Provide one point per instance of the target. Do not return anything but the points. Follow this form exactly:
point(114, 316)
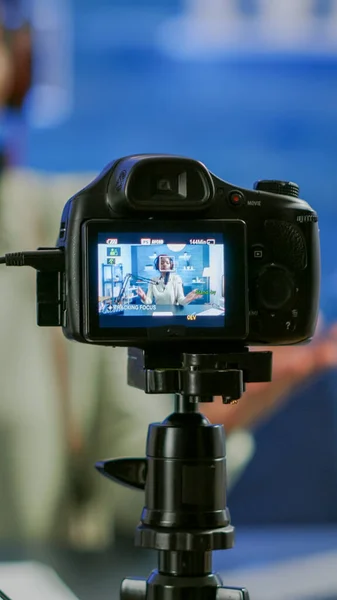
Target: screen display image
point(172, 278)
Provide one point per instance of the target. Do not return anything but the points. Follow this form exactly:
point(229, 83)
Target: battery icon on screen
point(210, 241)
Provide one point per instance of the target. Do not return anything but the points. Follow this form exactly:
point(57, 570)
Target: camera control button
point(284, 188)
point(290, 325)
point(175, 331)
point(236, 198)
point(275, 287)
point(160, 333)
point(258, 252)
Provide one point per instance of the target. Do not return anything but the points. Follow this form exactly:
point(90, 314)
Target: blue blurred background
point(133, 78)
point(249, 87)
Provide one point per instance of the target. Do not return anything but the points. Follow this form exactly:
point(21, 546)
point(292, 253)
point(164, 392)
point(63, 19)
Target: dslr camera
point(158, 249)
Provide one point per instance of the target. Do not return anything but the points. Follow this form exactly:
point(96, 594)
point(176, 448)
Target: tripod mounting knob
point(185, 541)
point(130, 472)
point(161, 586)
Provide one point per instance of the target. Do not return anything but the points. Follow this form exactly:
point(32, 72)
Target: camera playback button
point(257, 252)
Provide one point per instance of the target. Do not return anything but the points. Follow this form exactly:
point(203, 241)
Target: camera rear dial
point(275, 287)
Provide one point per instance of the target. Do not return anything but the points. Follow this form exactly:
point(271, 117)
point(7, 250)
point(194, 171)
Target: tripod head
point(185, 516)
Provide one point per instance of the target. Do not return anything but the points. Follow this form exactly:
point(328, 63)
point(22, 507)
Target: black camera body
point(237, 265)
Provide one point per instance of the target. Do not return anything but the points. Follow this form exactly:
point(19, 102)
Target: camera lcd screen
point(151, 280)
point(148, 280)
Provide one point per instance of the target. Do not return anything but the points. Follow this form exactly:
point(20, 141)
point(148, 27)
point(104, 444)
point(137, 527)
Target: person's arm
point(179, 292)
point(148, 297)
point(291, 366)
point(257, 402)
point(6, 70)
point(180, 296)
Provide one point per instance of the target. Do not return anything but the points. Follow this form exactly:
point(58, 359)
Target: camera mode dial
point(285, 188)
point(275, 287)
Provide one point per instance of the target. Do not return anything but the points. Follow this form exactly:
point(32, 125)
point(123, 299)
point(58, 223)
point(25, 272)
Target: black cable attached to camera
point(44, 259)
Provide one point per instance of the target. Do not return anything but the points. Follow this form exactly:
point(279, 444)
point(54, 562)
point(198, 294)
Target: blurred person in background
point(64, 406)
point(15, 69)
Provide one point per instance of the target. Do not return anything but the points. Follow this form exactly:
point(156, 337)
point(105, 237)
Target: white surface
point(162, 314)
point(311, 578)
point(211, 312)
point(32, 581)
point(213, 28)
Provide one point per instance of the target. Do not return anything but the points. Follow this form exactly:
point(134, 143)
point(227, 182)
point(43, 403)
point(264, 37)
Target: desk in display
point(148, 310)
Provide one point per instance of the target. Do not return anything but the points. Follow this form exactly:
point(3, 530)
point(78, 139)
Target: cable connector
point(44, 259)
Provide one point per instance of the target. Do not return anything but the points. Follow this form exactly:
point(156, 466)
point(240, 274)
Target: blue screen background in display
point(199, 265)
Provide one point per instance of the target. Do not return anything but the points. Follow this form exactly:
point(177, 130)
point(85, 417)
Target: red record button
point(236, 198)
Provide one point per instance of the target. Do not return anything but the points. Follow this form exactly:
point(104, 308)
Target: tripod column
point(185, 404)
point(186, 474)
point(185, 516)
point(185, 563)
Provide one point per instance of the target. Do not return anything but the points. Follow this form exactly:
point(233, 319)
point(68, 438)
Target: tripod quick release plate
point(198, 375)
